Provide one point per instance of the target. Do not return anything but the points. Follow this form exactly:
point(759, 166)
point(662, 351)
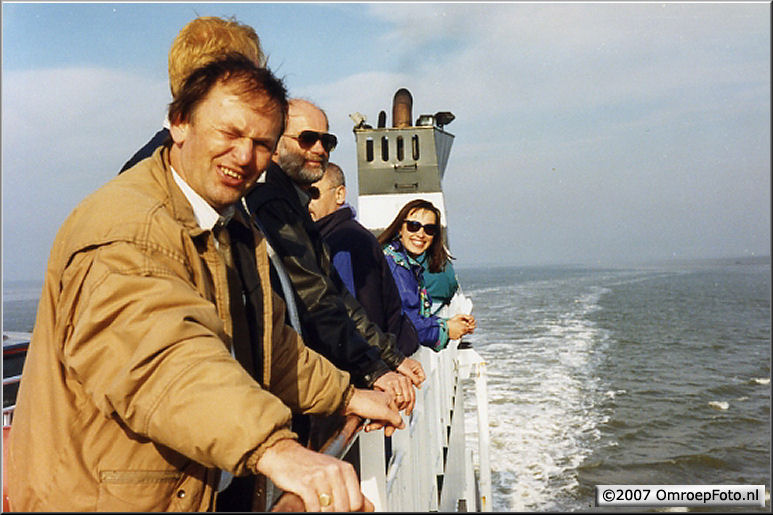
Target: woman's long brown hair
point(438, 256)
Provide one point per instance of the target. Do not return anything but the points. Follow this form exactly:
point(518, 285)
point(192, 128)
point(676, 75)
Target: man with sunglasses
point(330, 318)
point(358, 258)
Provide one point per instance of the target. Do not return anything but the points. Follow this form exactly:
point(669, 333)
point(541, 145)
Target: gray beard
point(293, 165)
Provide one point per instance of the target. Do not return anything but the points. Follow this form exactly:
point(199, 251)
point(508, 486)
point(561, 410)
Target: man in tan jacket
point(131, 398)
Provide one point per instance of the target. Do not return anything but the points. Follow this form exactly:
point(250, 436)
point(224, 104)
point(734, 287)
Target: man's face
point(330, 197)
point(226, 145)
point(303, 164)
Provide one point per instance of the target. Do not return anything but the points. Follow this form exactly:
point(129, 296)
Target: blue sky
point(596, 133)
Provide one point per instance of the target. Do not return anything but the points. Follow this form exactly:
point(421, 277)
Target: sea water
point(651, 375)
point(20, 304)
point(655, 375)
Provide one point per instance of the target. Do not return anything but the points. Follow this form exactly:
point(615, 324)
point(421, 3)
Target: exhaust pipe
point(402, 104)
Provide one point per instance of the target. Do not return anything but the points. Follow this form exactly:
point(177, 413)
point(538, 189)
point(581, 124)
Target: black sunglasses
point(414, 226)
point(309, 138)
point(313, 192)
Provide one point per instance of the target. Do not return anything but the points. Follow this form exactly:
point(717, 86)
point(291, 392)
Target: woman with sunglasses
point(416, 234)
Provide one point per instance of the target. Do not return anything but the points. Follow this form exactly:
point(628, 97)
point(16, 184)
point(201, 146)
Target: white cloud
point(66, 132)
point(573, 55)
point(68, 112)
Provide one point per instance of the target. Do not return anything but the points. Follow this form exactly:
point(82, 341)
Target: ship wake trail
point(544, 392)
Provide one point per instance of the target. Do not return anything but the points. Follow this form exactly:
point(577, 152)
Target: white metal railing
point(470, 363)
point(8, 411)
point(8, 415)
point(431, 468)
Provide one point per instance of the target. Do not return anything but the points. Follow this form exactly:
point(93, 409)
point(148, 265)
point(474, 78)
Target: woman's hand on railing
point(400, 388)
point(413, 370)
point(377, 406)
point(323, 483)
point(459, 325)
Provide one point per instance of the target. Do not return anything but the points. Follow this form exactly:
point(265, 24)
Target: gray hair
point(337, 177)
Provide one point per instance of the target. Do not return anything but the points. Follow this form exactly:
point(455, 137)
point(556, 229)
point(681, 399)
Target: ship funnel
point(400, 162)
point(402, 104)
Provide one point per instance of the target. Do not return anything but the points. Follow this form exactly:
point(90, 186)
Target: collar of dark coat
point(328, 224)
point(277, 186)
point(275, 175)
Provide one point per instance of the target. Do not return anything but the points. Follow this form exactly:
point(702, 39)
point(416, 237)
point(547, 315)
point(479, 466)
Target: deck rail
point(8, 410)
point(430, 467)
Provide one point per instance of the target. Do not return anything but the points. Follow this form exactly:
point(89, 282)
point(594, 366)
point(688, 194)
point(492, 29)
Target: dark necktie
point(246, 296)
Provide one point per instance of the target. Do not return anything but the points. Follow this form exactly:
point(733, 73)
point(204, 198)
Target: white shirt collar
point(206, 216)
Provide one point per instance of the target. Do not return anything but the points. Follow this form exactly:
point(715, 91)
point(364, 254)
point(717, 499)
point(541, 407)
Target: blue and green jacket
point(416, 302)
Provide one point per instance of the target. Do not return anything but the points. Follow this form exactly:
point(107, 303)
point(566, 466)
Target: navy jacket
point(360, 262)
point(147, 150)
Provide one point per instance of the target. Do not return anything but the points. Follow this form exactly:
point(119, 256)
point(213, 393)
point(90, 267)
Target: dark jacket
point(146, 151)
point(416, 302)
point(360, 262)
point(332, 321)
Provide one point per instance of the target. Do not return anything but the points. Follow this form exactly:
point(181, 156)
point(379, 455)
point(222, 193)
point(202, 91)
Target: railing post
point(471, 362)
point(373, 469)
point(481, 396)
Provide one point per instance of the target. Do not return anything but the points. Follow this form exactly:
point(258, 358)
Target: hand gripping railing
point(430, 467)
point(333, 436)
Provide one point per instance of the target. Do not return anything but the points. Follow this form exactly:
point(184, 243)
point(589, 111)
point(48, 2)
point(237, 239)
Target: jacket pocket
point(137, 490)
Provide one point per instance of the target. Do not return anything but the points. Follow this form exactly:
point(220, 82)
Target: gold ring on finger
point(325, 500)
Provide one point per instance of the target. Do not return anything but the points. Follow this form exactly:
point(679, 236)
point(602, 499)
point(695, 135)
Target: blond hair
point(205, 39)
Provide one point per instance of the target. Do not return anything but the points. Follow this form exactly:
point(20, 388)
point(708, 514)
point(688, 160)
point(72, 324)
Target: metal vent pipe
point(402, 104)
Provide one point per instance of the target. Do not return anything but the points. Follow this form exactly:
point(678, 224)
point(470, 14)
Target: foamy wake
point(543, 398)
point(614, 393)
point(719, 405)
point(761, 380)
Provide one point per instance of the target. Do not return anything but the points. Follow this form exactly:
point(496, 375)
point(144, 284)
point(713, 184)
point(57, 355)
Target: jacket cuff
point(259, 451)
point(367, 379)
point(346, 399)
point(392, 356)
point(442, 340)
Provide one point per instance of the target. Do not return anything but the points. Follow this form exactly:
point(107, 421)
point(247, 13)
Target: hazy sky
point(594, 133)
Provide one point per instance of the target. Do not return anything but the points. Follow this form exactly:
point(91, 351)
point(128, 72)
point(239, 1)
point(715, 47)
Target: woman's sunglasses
point(414, 226)
point(309, 138)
